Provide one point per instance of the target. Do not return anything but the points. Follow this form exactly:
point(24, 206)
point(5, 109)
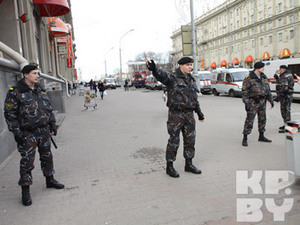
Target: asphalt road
point(112, 162)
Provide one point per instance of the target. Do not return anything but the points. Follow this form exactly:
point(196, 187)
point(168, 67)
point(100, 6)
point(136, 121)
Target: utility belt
point(258, 98)
point(176, 109)
point(34, 129)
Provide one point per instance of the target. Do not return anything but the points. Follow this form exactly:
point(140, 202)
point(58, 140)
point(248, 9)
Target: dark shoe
point(263, 138)
point(281, 128)
point(245, 141)
point(189, 167)
point(171, 171)
point(52, 183)
point(26, 199)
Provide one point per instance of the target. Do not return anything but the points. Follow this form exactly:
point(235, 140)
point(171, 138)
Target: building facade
point(35, 31)
point(245, 31)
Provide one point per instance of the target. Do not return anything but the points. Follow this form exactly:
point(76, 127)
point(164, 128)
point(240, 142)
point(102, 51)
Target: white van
point(203, 81)
point(228, 81)
point(293, 65)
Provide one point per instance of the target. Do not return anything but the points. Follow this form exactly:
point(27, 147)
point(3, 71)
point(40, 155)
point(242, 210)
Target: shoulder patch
point(44, 93)
point(247, 76)
point(8, 106)
point(11, 89)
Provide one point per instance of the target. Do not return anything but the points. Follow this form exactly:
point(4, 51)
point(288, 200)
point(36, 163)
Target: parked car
point(228, 81)
point(109, 83)
point(152, 83)
point(139, 80)
point(203, 81)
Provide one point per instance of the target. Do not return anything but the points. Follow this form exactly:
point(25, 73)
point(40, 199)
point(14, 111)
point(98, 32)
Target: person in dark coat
point(182, 102)
point(28, 114)
point(101, 89)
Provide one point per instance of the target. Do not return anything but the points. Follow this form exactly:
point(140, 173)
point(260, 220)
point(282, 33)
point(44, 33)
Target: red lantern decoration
point(223, 63)
point(213, 65)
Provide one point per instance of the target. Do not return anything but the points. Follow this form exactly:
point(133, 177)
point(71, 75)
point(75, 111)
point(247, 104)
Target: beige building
point(245, 28)
point(28, 35)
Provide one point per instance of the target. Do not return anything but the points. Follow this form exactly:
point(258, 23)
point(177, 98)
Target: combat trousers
point(285, 108)
point(259, 108)
point(37, 138)
point(185, 122)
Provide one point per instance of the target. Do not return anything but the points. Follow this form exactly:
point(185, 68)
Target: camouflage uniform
point(256, 91)
point(285, 87)
point(182, 101)
point(28, 113)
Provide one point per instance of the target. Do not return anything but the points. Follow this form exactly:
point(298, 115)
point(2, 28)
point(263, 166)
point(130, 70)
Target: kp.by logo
point(249, 209)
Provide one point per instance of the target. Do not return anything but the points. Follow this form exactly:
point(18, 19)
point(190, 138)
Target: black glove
point(247, 107)
point(276, 77)
point(200, 115)
point(20, 139)
point(53, 129)
point(272, 103)
point(276, 99)
point(151, 65)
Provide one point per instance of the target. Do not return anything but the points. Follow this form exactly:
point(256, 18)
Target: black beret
point(28, 68)
point(185, 60)
point(283, 67)
point(259, 65)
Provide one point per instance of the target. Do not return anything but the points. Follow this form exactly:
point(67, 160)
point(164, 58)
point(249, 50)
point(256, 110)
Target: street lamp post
point(121, 56)
point(105, 61)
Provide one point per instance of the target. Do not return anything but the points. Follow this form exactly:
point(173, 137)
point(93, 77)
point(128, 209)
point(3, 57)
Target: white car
point(203, 81)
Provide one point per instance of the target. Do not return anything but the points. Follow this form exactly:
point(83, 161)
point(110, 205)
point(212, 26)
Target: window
point(261, 41)
point(252, 30)
point(231, 26)
point(260, 15)
point(252, 5)
point(270, 25)
point(252, 18)
point(253, 43)
point(228, 78)
point(226, 50)
point(280, 7)
point(292, 34)
point(292, 3)
point(245, 33)
point(280, 22)
point(220, 76)
point(280, 37)
point(239, 47)
point(237, 12)
point(270, 39)
point(238, 24)
point(261, 28)
point(245, 8)
point(270, 11)
point(225, 17)
point(245, 21)
point(245, 45)
point(260, 2)
point(292, 18)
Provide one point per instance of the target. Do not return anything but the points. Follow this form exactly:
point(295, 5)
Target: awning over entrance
point(249, 59)
point(49, 8)
point(265, 56)
point(57, 27)
point(223, 63)
point(213, 65)
point(285, 53)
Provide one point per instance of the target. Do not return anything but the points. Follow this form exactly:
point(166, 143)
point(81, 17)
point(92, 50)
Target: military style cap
point(28, 68)
point(259, 65)
point(185, 60)
point(283, 67)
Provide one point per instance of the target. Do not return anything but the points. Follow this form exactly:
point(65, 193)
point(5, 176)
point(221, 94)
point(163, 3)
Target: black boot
point(26, 199)
point(263, 138)
point(52, 183)
point(171, 171)
point(189, 167)
point(245, 140)
point(281, 129)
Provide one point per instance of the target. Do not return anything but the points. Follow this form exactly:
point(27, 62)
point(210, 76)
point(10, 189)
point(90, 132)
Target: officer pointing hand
point(151, 65)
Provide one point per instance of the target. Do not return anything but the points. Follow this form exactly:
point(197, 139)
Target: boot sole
point(189, 171)
point(176, 176)
point(48, 186)
point(27, 203)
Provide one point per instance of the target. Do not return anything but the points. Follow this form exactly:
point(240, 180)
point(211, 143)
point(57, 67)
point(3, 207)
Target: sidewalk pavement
point(112, 162)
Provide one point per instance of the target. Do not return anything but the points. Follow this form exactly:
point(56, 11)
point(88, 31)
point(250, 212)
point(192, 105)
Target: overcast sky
point(99, 25)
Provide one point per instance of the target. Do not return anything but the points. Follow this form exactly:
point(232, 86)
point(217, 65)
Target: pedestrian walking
point(126, 86)
point(29, 117)
point(95, 87)
point(255, 93)
point(284, 90)
point(182, 101)
point(101, 89)
point(91, 84)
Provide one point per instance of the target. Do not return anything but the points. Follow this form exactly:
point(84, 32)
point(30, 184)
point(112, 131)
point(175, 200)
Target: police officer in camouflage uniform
point(29, 117)
point(284, 90)
point(255, 93)
point(182, 101)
